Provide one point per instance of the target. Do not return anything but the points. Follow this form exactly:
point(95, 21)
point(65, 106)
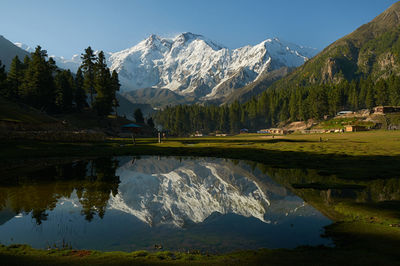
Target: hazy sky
point(66, 27)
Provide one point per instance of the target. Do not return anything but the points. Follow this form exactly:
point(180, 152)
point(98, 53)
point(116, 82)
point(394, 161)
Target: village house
point(354, 128)
point(278, 131)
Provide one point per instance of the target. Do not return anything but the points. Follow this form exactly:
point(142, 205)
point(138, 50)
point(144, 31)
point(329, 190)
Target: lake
point(133, 203)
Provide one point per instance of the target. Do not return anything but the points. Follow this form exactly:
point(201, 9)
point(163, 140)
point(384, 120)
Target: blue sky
point(67, 27)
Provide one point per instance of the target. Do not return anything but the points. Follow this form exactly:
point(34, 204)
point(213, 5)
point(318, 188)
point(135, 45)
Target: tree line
point(38, 82)
point(282, 105)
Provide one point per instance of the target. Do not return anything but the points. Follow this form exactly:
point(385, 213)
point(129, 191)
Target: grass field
point(365, 232)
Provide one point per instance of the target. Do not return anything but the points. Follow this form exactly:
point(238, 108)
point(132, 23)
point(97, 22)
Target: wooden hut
point(354, 128)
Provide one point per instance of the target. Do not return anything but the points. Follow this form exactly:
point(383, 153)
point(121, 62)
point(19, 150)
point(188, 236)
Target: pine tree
point(293, 108)
point(115, 87)
point(353, 95)
point(381, 92)
point(79, 95)
point(14, 78)
point(223, 124)
point(234, 117)
point(334, 100)
point(88, 68)
point(37, 88)
point(64, 83)
point(284, 112)
point(103, 87)
point(150, 122)
point(3, 80)
point(318, 102)
point(394, 90)
point(369, 97)
point(138, 115)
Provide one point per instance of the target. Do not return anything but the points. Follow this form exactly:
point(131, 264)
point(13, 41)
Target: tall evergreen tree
point(138, 115)
point(381, 93)
point(79, 95)
point(64, 83)
point(37, 88)
point(394, 90)
point(103, 87)
point(15, 78)
point(293, 108)
point(115, 85)
point(3, 81)
point(150, 122)
point(234, 117)
point(88, 68)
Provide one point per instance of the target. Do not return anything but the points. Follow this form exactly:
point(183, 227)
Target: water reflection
point(177, 193)
point(38, 192)
point(132, 203)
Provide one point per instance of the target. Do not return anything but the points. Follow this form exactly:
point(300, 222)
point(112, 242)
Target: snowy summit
point(191, 64)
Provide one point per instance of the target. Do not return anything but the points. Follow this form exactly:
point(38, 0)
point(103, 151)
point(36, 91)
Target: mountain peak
point(390, 17)
point(24, 47)
point(187, 37)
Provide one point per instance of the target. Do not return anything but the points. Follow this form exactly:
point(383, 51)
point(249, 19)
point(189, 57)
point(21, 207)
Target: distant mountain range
point(190, 68)
point(193, 66)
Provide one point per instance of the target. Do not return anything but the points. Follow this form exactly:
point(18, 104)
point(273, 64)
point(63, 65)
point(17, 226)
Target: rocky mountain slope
point(8, 51)
point(371, 50)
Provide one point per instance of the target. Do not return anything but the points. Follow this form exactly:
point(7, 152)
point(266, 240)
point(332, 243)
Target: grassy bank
point(374, 154)
point(23, 255)
point(365, 233)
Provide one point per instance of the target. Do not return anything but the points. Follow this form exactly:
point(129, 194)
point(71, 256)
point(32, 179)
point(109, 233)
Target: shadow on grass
point(239, 141)
point(390, 208)
point(344, 166)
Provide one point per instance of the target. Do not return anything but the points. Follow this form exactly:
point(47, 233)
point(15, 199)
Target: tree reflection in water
point(92, 180)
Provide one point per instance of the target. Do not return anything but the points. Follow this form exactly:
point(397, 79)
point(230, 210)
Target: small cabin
point(354, 128)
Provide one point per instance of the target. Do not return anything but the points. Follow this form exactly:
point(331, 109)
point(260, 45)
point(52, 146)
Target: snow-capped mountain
point(194, 66)
point(176, 192)
point(71, 64)
point(74, 63)
point(191, 64)
point(24, 47)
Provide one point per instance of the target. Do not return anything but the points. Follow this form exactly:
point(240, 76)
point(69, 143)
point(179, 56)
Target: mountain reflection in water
point(132, 203)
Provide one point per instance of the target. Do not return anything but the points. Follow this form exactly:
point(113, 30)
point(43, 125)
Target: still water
point(131, 203)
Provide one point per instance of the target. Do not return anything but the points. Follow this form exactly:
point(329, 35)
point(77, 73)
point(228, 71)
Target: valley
point(181, 150)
